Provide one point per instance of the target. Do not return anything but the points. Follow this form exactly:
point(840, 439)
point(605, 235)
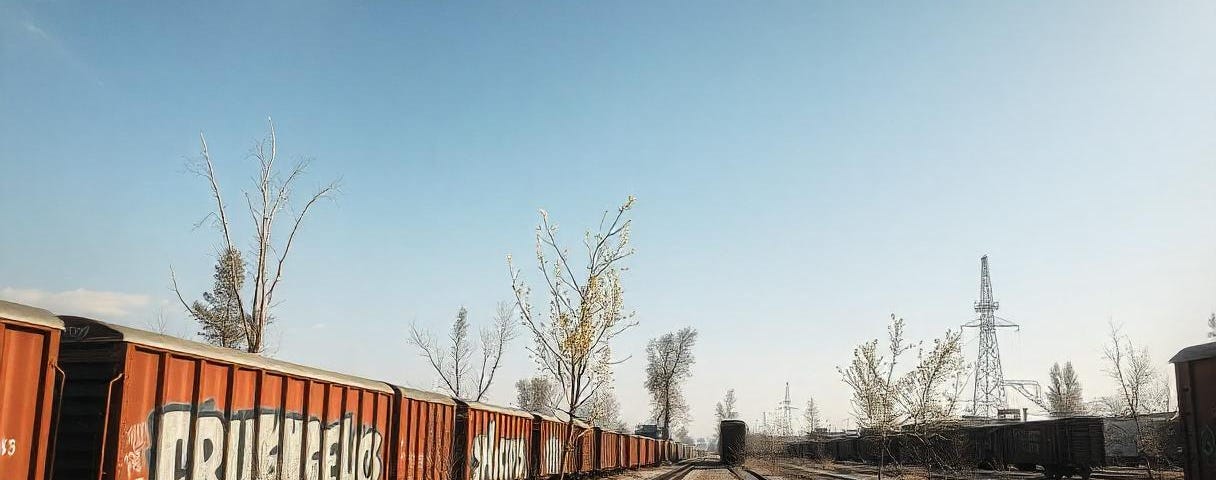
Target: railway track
point(709, 469)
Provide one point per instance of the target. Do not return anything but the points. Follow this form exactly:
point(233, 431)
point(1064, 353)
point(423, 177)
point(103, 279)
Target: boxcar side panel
point(189, 417)
point(497, 445)
point(424, 439)
point(27, 385)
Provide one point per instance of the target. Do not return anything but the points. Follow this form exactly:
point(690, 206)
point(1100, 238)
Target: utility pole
point(989, 393)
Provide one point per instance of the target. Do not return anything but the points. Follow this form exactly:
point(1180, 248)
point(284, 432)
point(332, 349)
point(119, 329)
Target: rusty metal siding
point(189, 417)
point(176, 415)
point(1195, 371)
point(496, 444)
point(585, 449)
point(609, 450)
point(423, 437)
point(29, 348)
point(552, 443)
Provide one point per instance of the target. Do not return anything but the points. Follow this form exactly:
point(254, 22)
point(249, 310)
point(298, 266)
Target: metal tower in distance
point(989, 395)
point(785, 424)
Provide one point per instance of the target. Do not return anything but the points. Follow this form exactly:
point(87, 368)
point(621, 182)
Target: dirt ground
point(802, 469)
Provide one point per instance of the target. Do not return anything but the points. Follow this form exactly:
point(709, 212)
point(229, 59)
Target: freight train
point(1063, 447)
point(84, 399)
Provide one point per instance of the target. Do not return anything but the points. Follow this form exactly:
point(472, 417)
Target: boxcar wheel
point(1086, 471)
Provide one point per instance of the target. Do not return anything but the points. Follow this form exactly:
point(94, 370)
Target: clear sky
point(803, 169)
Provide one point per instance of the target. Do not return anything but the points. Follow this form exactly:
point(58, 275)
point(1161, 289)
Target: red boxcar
point(610, 450)
point(551, 439)
point(492, 443)
point(633, 451)
point(138, 405)
point(423, 427)
point(29, 352)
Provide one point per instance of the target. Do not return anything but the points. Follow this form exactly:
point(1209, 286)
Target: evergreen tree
point(220, 319)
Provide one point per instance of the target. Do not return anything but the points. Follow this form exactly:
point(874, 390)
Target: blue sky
point(802, 169)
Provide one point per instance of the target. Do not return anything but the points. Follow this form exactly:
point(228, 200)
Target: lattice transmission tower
point(989, 394)
point(785, 422)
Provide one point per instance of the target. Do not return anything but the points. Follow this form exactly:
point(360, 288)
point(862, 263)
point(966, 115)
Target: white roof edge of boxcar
point(553, 418)
point(174, 344)
point(495, 408)
point(426, 396)
point(31, 315)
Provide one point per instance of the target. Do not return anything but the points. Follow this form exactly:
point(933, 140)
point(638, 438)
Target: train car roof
point(81, 329)
point(416, 394)
point(578, 423)
point(30, 315)
point(497, 409)
point(1195, 352)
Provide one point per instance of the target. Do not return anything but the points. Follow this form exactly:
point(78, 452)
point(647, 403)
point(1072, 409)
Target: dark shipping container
point(732, 442)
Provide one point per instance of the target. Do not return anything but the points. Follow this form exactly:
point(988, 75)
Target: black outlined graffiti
point(494, 458)
point(249, 445)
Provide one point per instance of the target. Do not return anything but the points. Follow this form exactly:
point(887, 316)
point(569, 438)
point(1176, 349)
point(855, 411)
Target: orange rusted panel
point(553, 436)
point(174, 410)
point(423, 435)
point(493, 443)
point(610, 450)
point(29, 350)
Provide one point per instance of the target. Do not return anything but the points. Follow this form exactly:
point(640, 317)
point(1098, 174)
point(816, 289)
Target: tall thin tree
point(270, 197)
point(725, 409)
point(1064, 391)
point(669, 361)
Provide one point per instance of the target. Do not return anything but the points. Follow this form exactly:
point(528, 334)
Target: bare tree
point(572, 344)
point(271, 196)
point(604, 411)
point(1141, 390)
point(1064, 391)
point(158, 323)
point(1212, 325)
point(219, 316)
point(453, 360)
point(810, 416)
point(535, 394)
point(669, 361)
point(725, 410)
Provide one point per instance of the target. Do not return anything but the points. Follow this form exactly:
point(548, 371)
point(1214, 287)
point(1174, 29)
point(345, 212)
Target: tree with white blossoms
point(928, 393)
point(585, 311)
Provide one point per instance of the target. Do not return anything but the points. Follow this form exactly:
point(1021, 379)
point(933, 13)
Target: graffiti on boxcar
point(494, 458)
point(553, 454)
point(248, 445)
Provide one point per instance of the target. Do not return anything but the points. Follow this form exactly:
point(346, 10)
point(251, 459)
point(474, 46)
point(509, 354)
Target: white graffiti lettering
point(553, 454)
point(252, 446)
point(494, 458)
